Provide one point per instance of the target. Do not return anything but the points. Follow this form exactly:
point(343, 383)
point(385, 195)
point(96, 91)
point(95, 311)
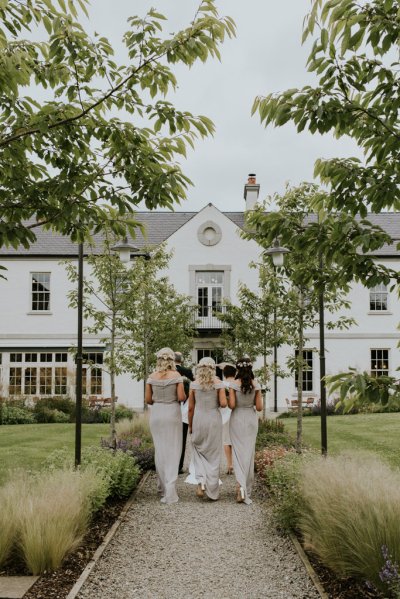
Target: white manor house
point(210, 260)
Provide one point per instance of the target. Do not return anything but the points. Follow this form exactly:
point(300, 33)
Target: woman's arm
point(222, 397)
point(181, 392)
point(232, 399)
point(258, 402)
point(148, 396)
point(192, 404)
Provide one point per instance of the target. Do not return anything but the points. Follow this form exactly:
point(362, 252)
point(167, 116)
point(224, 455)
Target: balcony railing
point(206, 317)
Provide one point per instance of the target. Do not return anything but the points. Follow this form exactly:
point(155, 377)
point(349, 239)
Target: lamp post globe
point(277, 253)
point(124, 250)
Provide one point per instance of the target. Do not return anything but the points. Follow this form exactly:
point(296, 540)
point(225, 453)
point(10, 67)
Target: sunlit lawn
point(27, 445)
point(376, 433)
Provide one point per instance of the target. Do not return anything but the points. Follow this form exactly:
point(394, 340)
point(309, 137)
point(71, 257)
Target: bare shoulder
point(217, 379)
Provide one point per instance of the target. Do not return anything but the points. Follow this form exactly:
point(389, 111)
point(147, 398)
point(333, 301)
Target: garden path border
point(310, 570)
point(107, 539)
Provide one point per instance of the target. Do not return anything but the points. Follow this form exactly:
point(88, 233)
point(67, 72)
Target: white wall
point(20, 328)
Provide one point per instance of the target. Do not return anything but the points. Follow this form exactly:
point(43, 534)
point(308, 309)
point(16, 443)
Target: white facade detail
point(38, 328)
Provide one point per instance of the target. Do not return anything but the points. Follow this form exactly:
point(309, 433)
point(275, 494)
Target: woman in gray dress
point(244, 399)
point(207, 395)
point(164, 391)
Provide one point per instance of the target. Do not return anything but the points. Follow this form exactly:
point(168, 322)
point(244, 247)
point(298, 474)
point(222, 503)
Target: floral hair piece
point(244, 365)
point(165, 354)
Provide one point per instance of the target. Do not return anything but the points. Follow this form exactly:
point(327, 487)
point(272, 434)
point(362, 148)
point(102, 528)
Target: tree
point(355, 56)
point(250, 328)
point(71, 162)
point(134, 311)
point(306, 274)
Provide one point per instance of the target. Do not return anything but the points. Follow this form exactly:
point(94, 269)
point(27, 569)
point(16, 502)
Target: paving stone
point(15, 587)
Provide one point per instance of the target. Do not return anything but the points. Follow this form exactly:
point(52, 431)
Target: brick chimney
point(251, 191)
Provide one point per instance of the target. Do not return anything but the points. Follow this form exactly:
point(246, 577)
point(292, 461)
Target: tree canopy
point(83, 139)
point(355, 57)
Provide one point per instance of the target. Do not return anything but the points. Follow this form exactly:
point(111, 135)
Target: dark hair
point(229, 370)
point(244, 369)
point(178, 357)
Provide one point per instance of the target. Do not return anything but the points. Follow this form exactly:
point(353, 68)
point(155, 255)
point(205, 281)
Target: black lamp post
point(78, 361)
point(322, 371)
point(277, 253)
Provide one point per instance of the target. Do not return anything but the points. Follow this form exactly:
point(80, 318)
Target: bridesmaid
point(229, 377)
point(207, 395)
point(244, 399)
point(164, 391)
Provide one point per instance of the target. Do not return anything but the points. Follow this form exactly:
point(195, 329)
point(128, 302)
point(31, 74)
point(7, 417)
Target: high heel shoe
point(200, 490)
point(240, 495)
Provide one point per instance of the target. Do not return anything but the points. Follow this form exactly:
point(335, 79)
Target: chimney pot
point(251, 192)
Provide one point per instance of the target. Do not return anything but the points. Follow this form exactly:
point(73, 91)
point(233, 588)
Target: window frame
point(33, 309)
point(308, 374)
point(376, 296)
point(382, 371)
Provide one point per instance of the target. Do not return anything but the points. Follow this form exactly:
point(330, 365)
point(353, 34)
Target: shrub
point(63, 404)
point(122, 412)
point(117, 469)
point(265, 458)
point(15, 415)
point(351, 511)
point(54, 518)
point(46, 415)
point(272, 432)
point(283, 480)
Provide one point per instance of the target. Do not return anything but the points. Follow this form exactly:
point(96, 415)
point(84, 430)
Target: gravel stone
point(198, 549)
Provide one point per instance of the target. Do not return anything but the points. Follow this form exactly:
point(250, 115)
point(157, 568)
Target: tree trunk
point(145, 349)
point(299, 434)
point(264, 412)
point(113, 432)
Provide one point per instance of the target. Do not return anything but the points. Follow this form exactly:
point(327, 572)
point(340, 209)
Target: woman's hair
point(165, 360)
point(229, 370)
point(244, 372)
point(205, 373)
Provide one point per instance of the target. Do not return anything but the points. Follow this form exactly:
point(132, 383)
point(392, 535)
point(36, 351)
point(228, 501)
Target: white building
point(210, 259)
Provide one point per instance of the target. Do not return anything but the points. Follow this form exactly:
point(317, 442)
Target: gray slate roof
point(160, 226)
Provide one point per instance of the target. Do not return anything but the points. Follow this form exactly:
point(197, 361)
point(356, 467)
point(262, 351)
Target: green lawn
point(376, 433)
point(27, 445)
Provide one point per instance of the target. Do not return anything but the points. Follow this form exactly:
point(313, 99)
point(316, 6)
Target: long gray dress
point(166, 430)
point(207, 437)
point(243, 426)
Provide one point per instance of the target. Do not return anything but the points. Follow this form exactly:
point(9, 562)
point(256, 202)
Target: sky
point(266, 56)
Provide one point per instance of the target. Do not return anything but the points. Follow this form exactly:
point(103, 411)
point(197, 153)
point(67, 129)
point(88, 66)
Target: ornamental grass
point(350, 516)
point(138, 426)
point(8, 520)
point(53, 516)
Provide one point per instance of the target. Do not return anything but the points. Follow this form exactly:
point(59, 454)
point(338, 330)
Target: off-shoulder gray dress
point(243, 426)
point(166, 430)
point(207, 437)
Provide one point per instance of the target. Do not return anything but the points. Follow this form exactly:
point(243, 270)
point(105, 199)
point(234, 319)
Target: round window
point(209, 233)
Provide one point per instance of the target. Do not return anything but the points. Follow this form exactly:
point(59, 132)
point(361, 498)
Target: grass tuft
point(351, 511)
point(54, 517)
point(139, 426)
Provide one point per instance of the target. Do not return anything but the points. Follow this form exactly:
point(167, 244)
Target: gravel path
point(198, 549)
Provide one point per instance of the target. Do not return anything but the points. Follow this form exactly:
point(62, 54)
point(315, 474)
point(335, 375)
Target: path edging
point(310, 570)
point(106, 541)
